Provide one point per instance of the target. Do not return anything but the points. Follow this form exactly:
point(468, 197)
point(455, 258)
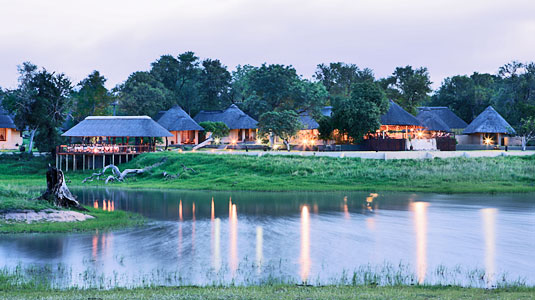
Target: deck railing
point(98, 149)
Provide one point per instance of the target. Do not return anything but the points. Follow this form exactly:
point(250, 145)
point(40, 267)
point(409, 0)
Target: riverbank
point(302, 173)
point(20, 213)
point(276, 292)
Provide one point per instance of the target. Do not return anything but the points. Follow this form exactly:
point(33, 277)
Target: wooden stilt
point(120, 156)
point(103, 160)
point(113, 159)
point(74, 162)
point(83, 161)
point(127, 158)
point(57, 161)
point(93, 161)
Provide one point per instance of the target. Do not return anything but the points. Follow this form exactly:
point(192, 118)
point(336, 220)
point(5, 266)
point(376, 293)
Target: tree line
point(45, 102)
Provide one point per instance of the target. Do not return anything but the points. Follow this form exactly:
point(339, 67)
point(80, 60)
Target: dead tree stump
point(57, 191)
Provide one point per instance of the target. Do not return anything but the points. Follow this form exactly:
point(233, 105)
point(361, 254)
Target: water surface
point(202, 237)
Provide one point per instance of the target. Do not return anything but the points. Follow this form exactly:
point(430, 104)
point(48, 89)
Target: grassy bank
point(293, 173)
point(16, 198)
point(277, 292)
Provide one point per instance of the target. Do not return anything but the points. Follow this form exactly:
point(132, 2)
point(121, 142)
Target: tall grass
point(282, 173)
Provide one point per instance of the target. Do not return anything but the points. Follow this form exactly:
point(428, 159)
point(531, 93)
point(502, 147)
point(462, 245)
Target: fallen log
point(57, 191)
point(117, 175)
point(173, 176)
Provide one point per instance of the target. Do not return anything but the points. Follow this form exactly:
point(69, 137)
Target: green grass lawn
point(295, 173)
point(16, 198)
point(275, 292)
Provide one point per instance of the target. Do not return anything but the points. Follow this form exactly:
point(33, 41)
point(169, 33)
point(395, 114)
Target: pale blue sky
point(119, 37)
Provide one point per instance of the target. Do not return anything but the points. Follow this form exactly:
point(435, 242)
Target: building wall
point(13, 139)
point(234, 136)
point(478, 139)
point(178, 137)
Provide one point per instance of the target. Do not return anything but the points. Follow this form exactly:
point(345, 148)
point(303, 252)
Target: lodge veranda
point(96, 141)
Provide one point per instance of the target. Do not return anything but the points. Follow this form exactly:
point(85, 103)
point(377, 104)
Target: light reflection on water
point(306, 236)
point(489, 229)
point(420, 228)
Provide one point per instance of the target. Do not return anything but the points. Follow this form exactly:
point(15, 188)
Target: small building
point(489, 128)
point(109, 139)
point(242, 127)
point(10, 136)
point(184, 129)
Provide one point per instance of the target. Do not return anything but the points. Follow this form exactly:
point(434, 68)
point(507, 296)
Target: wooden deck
point(96, 156)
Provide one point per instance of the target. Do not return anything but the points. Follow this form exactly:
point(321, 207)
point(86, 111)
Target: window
point(3, 136)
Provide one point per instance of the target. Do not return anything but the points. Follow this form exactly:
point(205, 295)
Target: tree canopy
point(284, 124)
point(408, 87)
point(92, 98)
point(361, 113)
point(40, 103)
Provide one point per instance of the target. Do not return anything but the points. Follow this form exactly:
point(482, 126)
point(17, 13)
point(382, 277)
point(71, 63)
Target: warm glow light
point(217, 141)
point(180, 210)
point(180, 150)
point(420, 134)
point(95, 204)
point(233, 142)
point(487, 141)
point(193, 211)
point(420, 228)
point(258, 141)
point(233, 222)
point(212, 214)
point(489, 230)
point(104, 205)
point(305, 243)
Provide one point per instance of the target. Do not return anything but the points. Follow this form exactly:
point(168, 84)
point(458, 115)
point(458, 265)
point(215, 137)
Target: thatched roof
point(327, 111)
point(308, 122)
point(176, 119)
point(489, 121)
point(432, 122)
point(6, 121)
point(447, 116)
point(234, 117)
point(131, 126)
point(398, 116)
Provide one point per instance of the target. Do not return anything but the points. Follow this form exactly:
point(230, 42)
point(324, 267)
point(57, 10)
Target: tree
point(515, 96)
point(40, 104)
point(466, 96)
point(410, 87)
point(218, 129)
point(215, 83)
point(326, 128)
point(166, 71)
point(339, 77)
point(92, 98)
point(527, 131)
point(361, 113)
point(277, 88)
point(142, 94)
point(284, 124)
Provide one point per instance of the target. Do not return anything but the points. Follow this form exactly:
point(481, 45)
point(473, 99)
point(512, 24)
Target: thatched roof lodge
point(184, 129)
point(398, 123)
point(118, 126)
point(111, 134)
point(242, 126)
point(10, 136)
point(432, 122)
point(489, 128)
point(445, 115)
